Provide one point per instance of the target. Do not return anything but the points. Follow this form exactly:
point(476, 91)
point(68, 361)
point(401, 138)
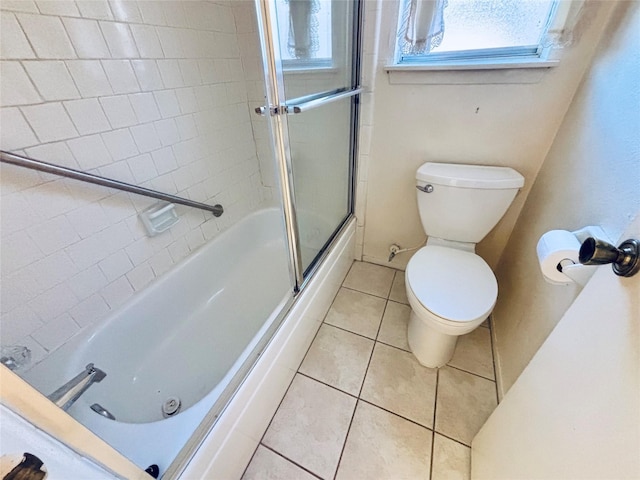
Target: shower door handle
point(267, 110)
point(318, 102)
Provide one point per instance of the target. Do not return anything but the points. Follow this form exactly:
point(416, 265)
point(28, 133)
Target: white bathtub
point(185, 336)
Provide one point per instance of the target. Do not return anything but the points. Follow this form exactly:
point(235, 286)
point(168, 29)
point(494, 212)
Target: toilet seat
point(455, 286)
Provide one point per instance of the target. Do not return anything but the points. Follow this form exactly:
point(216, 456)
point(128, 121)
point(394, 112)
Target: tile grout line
point(433, 436)
point(289, 460)
point(470, 373)
point(493, 358)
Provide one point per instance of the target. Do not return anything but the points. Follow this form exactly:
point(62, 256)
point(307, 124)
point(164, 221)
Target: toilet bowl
point(452, 290)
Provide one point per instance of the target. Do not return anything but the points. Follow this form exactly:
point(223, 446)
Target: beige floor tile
point(338, 358)
point(384, 446)
point(398, 290)
point(395, 322)
point(396, 382)
point(370, 278)
point(311, 425)
point(267, 465)
point(473, 353)
point(357, 312)
point(464, 403)
point(451, 460)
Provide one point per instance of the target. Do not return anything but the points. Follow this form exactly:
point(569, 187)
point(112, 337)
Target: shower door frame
point(276, 110)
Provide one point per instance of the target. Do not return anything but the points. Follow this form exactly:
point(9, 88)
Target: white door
point(574, 413)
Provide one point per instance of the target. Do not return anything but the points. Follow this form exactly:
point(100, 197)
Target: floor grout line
point(435, 411)
point(289, 460)
point(470, 373)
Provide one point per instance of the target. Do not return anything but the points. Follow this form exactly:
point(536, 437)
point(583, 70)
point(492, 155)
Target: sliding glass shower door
point(310, 51)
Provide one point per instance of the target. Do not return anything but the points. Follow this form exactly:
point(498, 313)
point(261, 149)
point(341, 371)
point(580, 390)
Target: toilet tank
point(464, 201)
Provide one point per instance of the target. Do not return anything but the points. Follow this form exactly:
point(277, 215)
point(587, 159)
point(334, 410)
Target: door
point(311, 59)
point(574, 412)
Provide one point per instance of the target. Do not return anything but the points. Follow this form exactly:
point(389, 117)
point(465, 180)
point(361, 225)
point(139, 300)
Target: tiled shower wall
point(156, 93)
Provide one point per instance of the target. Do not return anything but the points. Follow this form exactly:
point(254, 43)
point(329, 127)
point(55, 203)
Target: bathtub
point(183, 337)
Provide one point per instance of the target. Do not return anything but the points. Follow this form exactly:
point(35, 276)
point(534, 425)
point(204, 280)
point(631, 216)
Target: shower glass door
point(312, 101)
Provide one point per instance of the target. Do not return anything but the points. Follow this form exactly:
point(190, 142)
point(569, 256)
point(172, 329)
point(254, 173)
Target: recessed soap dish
point(159, 218)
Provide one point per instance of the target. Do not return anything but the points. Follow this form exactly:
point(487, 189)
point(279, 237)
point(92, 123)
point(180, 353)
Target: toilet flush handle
point(428, 188)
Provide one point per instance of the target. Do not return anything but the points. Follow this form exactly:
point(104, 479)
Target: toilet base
point(433, 349)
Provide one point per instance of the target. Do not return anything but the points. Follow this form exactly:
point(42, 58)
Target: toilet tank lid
point(469, 176)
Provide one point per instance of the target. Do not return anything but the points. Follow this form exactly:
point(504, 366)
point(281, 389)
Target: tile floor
point(362, 407)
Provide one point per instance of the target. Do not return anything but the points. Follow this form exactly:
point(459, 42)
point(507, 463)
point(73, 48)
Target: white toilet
point(452, 290)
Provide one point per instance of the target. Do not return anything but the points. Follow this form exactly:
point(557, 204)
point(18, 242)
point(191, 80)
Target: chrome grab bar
point(26, 162)
point(307, 105)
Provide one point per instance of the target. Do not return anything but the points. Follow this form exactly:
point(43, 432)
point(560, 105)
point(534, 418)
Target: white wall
point(156, 93)
point(497, 118)
point(590, 177)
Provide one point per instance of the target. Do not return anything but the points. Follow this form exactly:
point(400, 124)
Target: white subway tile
point(47, 36)
point(167, 102)
point(87, 115)
point(121, 76)
point(86, 37)
point(152, 13)
point(15, 179)
point(119, 40)
point(50, 199)
point(146, 139)
point(190, 72)
point(87, 282)
point(161, 262)
point(170, 73)
point(13, 42)
point(140, 276)
point(53, 235)
point(20, 6)
point(90, 310)
point(168, 131)
point(142, 168)
point(57, 153)
point(118, 171)
point(66, 8)
point(52, 80)
point(18, 251)
point(178, 250)
point(174, 13)
point(51, 270)
point(164, 160)
point(15, 132)
point(147, 41)
point(145, 106)
point(54, 302)
point(116, 265)
point(50, 122)
point(16, 88)
point(126, 11)
point(90, 78)
point(119, 111)
point(90, 152)
point(16, 213)
point(147, 74)
point(187, 100)
point(118, 207)
point(118, 292)
point(187, 127)
point(88, 219)
point(57, 332)
point(95, 9)
point(120, 144)
point(170, 41)
point(140, 251)
point(195, 239)
point(18, 323)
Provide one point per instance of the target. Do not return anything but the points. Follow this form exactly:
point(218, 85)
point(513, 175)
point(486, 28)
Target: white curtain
point(422, 26)
point(303, 28)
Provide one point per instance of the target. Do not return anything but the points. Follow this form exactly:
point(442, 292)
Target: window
point(440, 33)
point(305, 33)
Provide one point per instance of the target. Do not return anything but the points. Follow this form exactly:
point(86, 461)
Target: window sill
point(503, 71)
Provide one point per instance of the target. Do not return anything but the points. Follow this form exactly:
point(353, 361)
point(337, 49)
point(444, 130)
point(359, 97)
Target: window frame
point(531, 56)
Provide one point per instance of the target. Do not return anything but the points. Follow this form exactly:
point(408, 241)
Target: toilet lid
point(453, 284)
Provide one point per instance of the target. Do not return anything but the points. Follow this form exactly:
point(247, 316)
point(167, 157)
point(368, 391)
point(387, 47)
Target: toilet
point(452, 290)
